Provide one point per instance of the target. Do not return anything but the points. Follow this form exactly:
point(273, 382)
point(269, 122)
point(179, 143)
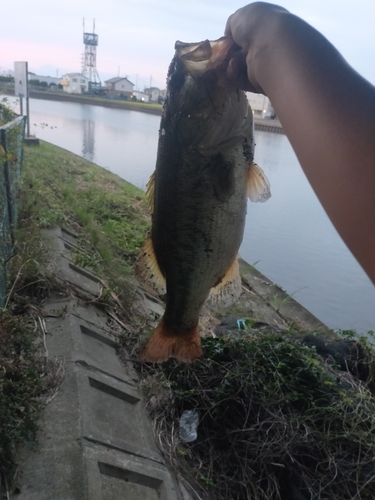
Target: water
point(290, 238)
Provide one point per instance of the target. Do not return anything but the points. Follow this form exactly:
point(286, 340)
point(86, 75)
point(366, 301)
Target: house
point(74, 83)
point(119, 86)
point(156, 95)
point(44, 79)
point(141, 96)
point(260, 105)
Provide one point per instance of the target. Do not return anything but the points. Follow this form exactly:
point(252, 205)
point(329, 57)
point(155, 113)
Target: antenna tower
point(89, 59)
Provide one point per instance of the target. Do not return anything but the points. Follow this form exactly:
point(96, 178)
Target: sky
point(136, 37)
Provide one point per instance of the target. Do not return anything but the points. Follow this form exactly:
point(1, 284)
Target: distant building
point(8, 72)
point(119, 86)
point(141, 96)
point(155, 94)
point(47, 79)
point(74, 83)
point(260, 105)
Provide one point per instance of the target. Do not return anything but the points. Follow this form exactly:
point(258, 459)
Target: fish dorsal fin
point(229, 289)
point(150, 192)
point(147, 270)
point(258, 186)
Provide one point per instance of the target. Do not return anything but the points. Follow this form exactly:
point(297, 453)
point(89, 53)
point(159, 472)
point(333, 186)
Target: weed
point(206, 480)
point(21, 385)
point(275, 422)
point(111, 220)
point(108, 213)
point(278, 301)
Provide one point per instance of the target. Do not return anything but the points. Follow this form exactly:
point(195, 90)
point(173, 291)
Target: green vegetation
point(275, 421)
point(111, 219)
point(6, 113)
point(6, 79)
point(124, 104)
point(130, 104)
point(22, 383)
point(109, 214)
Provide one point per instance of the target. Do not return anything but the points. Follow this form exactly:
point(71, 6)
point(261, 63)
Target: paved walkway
point(96, 441)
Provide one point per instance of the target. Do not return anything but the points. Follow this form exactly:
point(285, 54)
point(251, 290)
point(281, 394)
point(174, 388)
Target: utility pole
point(21, 89)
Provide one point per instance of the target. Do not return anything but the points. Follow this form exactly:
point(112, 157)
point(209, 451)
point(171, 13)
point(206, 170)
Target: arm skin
point(327, 111)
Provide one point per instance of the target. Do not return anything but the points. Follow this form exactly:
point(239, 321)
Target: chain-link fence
point(12, 132)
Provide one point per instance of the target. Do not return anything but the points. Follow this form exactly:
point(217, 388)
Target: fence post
point(11, 140)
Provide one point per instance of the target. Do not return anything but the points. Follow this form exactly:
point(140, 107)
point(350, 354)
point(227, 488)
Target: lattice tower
point(89, 59)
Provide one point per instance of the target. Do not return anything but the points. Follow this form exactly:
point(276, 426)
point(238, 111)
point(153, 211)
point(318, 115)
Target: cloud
point(139, 36)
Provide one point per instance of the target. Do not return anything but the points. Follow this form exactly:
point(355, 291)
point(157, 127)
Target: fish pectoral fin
point(258, 186)
point(165, 343)
point(150, 192)
point(147, 269)
point(229, 289)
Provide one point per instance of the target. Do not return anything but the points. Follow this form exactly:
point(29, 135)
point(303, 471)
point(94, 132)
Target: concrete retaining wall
point(96, 441)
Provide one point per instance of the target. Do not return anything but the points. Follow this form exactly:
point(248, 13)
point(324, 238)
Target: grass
point(118, 103)
point(109, 214)
point(276, 422)
point(21, 385)
point(111, 219)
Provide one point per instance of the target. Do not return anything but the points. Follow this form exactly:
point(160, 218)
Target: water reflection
point(297, 247)
point(88, 139)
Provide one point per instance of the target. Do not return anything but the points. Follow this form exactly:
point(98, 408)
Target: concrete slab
point(57, 470)
point(112, 413)
point(96, 441)
point(279, 302)
point(117, 475)
point(62, 265)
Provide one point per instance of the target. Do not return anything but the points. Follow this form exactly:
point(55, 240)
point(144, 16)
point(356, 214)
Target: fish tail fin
point(165, 344)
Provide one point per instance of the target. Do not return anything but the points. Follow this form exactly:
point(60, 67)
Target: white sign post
point(21, 89)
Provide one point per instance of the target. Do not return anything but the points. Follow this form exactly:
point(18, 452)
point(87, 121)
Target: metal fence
point(11, 141)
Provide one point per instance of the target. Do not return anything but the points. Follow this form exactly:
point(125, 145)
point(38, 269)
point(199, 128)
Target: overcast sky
point(136, 37)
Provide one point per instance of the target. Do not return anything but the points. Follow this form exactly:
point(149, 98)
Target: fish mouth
point(198, 58)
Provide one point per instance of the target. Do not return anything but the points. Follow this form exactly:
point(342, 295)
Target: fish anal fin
point(165, 343)
point(258, 186)
point(150, 192)
point(147, 270)
point(229, 289)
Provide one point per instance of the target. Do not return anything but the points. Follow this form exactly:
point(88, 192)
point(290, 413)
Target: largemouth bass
point(198, 196)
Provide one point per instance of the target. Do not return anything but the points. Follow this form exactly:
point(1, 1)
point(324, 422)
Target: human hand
point(252, 28)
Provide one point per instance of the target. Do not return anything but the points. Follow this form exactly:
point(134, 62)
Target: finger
point(228, 27)
point(237, 73)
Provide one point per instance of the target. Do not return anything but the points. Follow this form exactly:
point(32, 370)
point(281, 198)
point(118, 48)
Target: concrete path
point(96, 441)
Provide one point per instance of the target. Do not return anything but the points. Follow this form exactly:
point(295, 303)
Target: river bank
point(95, 439)
point(290, 236)
point(69, 190)
point(154, 109)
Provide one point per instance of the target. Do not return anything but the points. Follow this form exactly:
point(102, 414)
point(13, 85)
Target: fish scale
point(198, 196)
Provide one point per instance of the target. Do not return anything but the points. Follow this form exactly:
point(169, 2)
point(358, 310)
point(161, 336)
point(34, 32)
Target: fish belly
point(197, 227)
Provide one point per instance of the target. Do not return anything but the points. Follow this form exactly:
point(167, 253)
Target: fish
point(204, 173)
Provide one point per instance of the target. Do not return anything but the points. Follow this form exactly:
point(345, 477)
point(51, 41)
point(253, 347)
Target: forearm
point(328, 113)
